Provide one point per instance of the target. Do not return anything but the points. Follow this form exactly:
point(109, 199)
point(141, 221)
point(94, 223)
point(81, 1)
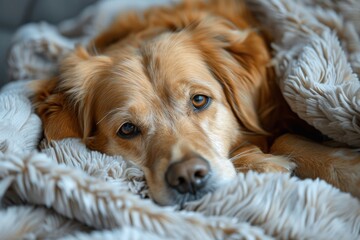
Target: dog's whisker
point(244, 143)
point(239, 154)
point(242, 154)
point(94, 49)
point(240, 169)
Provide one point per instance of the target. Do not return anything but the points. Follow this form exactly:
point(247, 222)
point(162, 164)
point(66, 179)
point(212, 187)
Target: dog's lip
point(182, 198)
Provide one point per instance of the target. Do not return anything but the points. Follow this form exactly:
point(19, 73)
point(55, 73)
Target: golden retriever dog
point(186, 92)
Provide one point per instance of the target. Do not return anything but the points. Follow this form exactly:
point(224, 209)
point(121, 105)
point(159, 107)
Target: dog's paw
point(279, 164)
point(252, 158)
point(264, 163)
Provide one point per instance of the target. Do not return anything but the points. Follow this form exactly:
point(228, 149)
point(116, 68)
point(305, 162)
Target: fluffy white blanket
point(70, 192)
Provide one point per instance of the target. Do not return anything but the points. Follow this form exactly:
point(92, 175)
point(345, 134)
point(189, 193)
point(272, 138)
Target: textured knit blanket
point(63, 190)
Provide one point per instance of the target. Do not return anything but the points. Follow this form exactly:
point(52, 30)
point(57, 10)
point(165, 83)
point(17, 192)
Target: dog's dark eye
point(128, 130)
point(200, 102)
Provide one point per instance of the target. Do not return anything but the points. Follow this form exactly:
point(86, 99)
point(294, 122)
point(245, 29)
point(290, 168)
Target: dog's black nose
point(188, 175)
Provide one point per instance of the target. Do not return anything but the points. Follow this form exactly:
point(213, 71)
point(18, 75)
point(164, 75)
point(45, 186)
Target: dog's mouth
point(181, 199)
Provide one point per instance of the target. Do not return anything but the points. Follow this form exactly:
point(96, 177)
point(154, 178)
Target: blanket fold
point(318, 74)
point(63, 190)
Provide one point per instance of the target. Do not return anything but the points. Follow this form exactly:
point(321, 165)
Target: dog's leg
point(338, 166)
point(250, 157)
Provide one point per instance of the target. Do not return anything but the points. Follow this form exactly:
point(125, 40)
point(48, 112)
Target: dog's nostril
point(188, 175)
point(181, 181)
point(200, 173)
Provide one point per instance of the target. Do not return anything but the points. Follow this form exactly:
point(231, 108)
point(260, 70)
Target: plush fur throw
point(66, 191)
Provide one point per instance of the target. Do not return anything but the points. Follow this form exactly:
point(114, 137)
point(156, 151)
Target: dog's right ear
point(58, 118)
point(64, 103)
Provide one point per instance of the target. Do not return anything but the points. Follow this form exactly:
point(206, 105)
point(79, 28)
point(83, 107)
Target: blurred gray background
point(14, 13)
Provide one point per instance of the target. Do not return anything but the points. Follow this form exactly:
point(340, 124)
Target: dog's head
point(175, 100)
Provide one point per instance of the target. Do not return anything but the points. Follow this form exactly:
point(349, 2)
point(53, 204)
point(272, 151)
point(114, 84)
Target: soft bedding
point(61, 189)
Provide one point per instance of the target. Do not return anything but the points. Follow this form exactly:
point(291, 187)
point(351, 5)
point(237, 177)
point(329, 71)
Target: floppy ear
point(64, 103)
point(59, 120)
point(239, 60)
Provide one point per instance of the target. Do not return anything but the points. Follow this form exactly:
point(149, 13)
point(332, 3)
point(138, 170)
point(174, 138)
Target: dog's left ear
point(239, 60)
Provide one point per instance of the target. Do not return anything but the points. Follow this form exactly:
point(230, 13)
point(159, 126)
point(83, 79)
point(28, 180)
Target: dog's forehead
point(173, 57)
point(168, 64)
point(162, 73)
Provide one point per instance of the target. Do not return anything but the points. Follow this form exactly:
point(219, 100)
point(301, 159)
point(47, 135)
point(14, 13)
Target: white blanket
point(70, 192)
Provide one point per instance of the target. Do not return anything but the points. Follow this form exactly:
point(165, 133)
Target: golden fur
point(145, 68)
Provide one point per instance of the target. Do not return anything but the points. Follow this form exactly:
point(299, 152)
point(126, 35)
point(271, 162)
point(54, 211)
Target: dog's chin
point(171, 197)
point(174, 198)
point(180, 199)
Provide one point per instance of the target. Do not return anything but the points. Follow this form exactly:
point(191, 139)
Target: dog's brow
point(199, 88)
point(107, 114)
point(125, 113)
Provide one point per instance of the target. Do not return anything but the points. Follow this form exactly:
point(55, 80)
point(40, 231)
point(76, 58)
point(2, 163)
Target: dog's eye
point(128, 130)
point(200, 102)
